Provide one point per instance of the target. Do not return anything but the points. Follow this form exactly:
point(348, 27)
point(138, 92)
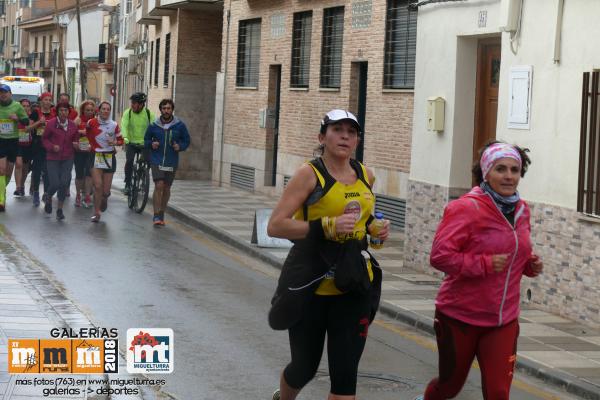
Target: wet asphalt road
point(124, 273)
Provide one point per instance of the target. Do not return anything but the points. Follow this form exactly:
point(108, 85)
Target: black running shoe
point(59, 214)
point(48, 206)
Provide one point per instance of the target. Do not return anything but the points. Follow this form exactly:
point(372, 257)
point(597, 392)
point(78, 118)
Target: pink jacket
point(55, 134)
point(471, 231)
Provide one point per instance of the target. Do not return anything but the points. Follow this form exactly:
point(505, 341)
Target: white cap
point(334, 116)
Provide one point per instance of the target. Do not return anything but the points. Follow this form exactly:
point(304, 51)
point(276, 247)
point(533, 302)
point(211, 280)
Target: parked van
point(24, 87)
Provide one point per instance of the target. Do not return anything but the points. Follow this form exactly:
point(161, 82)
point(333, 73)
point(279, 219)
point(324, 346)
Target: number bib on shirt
point(103, 160)
point(24, 136)
point(166, 169)
point(7, 127)
point(84, 144)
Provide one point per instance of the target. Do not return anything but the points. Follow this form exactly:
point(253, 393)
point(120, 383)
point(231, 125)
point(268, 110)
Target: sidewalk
point(30, 306)
point(554, 349)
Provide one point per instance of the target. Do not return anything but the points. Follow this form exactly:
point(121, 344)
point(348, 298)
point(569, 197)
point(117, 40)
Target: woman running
point(327, 204)
point(60, 140)
point(84, 158)
point(38, 169)
point(104, 134)
point(483, 246)
point(25, 154)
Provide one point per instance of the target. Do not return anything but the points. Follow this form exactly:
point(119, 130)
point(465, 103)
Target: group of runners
point(330, 283)
point(49, 139)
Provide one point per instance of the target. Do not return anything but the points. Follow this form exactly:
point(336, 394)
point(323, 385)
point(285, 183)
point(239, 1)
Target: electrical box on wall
point(436, 107)
point(510, 14)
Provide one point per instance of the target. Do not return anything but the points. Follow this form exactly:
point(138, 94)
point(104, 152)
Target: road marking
point(431, 345)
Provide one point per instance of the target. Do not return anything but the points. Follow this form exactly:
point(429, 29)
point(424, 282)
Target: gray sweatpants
point(59, 177)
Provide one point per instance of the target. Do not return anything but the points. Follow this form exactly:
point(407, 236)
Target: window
point(588, 191)
point(151, 61)
point(331, 50)
point(167, 55)
point(35, 44)
point(156, 57)
point(248, 54)
point(301, 35)
point(400, 45)
point(127, 7)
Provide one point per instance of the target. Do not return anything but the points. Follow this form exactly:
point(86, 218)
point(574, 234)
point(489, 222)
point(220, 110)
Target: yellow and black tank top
point(332, 198)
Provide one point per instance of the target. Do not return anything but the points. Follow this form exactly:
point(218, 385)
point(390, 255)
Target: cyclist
point(83, 157)
point(165, 138)
point(11, 113)
point(25, 154)
point(134, 122)
point(104, 134)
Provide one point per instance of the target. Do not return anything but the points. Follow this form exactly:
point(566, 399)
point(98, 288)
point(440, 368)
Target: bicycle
point(140, 182)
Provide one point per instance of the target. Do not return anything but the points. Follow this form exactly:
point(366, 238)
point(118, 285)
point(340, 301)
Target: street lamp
point(54, 46)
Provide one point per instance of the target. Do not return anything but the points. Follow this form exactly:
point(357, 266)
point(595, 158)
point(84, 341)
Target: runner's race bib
point(166, 169)
point(103, 160)
point(84, 144)
point(7, 127)
point(24, 136)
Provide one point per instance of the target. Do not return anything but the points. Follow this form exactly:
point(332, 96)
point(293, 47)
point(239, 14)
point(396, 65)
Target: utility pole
point(60, 53)
point(82, 69)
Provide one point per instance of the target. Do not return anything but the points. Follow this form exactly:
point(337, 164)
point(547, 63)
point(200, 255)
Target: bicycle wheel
point(143, 188)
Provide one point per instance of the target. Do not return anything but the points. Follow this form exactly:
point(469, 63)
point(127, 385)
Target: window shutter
point(519, 97)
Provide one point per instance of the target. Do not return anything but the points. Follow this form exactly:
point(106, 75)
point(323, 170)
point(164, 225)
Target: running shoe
point(95, 218)
point(19, 192)
point(48, 206)
point(45, 197)
point(59, 214)
point(276, 395)
point(157, 221)
point(36, 199)
point(78, 200)
point(87, 201)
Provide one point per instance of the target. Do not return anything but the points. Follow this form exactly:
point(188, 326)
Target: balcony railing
point(43, 60)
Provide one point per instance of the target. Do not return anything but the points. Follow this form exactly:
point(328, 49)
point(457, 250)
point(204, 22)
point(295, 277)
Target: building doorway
point(272, 125)
point(486, 100)
point(358, 99)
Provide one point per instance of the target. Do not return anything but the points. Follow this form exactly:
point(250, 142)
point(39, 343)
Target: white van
point(24, 87)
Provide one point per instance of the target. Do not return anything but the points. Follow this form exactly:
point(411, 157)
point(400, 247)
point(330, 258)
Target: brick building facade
point(250, 110)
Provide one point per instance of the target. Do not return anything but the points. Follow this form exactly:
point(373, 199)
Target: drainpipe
point(558, 31)
point(222, 150)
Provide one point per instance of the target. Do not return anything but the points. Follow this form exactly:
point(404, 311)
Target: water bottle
point(376, 226)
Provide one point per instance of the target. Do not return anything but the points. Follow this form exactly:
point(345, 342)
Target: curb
point(570, 384)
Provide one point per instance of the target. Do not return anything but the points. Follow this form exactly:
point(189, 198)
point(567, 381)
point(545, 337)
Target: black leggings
point(345, 320)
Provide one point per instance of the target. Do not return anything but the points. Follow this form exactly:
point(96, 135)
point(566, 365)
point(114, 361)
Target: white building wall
point(91, 33)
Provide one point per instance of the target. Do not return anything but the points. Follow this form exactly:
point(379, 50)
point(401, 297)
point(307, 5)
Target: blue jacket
point(167, 134)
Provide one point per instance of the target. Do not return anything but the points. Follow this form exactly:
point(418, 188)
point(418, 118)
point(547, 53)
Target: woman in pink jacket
point(60, 139)
point(483, 246)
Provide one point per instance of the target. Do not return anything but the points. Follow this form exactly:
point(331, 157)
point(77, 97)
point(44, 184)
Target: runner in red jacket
point(483, 245)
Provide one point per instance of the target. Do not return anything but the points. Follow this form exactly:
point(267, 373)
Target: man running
point(165, 138)
point(134, 122)
point(11, 113)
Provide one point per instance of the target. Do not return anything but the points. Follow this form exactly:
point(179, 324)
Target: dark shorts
point(84, 161)
point(111, 166)
point(26, 153)
point(167, 176)
point(9, 148)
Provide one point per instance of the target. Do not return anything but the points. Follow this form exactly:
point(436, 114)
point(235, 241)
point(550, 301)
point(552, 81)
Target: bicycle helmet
point(138, 97)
